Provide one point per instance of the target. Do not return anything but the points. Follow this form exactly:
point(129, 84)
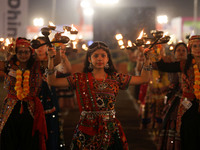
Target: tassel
point(21, 109)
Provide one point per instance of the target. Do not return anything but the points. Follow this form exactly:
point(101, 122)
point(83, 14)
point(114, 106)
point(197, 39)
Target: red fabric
point(142, 94)
point(188, 95)
point(39, 123)
point(88, 130)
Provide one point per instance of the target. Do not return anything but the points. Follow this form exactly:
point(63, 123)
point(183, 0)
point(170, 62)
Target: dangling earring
point(107, 66)
point(90, 66)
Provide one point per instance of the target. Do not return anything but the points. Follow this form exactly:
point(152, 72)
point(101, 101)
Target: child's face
point(23, 54)
point(181, 52)
point(195, 48)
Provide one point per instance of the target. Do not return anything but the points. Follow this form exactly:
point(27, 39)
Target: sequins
point(100, 102)
point(81, 137)
point(110, 105)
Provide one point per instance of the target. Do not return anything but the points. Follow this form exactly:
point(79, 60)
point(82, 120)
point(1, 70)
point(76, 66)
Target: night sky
point(67, 10)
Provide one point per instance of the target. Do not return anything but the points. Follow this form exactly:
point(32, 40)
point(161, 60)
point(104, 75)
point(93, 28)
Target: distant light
point(90, 42)
point(80, 37)
point(120, 42)
point(85, 4)
point(180, 41)
point(84, 46)
point(162, 19)
point(38, 22)
point(171, 48)
point(88, 11)
point(1, 39)
point(118, 36)
point(106, 1)
point(35, 37)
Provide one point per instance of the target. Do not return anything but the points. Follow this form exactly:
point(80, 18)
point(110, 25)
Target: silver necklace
point(101, 84)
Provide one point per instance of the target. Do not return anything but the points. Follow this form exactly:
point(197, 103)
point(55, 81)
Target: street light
point(163, 19)
point(38, 22)
point(88, 11)
point(195, 15)
point(107, 1)
point(87, 8)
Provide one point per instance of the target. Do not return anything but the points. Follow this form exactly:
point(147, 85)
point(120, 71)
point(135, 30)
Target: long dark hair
point(14, 59)
point(91, 49)
point(188, 61)
point(178, 44)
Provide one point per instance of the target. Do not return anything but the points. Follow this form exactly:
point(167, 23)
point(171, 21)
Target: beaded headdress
point(191, 40)
point(22, 42)
point(19, 42)
point(98, 45)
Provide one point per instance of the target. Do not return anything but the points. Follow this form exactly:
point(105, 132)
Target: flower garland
point(22, 92)
point(196, 85)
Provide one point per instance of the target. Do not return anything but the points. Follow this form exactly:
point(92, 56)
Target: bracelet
point(148, 68)
point(52, 57)
point(49, 71)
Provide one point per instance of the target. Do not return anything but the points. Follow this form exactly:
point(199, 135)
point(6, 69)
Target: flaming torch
point(120, 41)
point(51, 25)
point(73, 30)
point(139, 40)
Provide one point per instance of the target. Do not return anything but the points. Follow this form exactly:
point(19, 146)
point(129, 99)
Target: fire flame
point(122, 47)
point(7, 42)
point(165, 34)
point(74, 43)
point(51, 24)
point(73, 28)
point(148, 42)
point(130, 43)
point(141, 35)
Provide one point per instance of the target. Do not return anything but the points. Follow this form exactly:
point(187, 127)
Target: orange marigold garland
point(22, 92)
point(196, 85)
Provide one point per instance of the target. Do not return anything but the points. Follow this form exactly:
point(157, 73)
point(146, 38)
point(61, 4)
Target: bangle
point(49, 71)
point(148, 68)
point(51, 57)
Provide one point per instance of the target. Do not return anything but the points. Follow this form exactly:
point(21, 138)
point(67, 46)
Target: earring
point(107, 66)
point(90, 66)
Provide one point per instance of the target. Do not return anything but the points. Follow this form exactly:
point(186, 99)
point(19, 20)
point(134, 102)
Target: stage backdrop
point(13, 18)
point(128, 21)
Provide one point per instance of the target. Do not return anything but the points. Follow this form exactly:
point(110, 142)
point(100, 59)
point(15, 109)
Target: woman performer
point(96, 90)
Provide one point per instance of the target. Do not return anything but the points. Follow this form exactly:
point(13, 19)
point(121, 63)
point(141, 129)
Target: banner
point(13, 16)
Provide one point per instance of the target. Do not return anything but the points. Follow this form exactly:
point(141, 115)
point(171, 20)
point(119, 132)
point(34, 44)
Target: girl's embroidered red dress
point(98, 128)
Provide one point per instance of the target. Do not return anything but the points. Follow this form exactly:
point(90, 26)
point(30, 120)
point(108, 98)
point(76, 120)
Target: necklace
point(196, 85)
point(101, 85)
point(22, 92)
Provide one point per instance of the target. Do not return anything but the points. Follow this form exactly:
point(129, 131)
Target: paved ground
point(127, 114)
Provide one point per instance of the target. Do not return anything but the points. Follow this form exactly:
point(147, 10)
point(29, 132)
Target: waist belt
point(106, 115)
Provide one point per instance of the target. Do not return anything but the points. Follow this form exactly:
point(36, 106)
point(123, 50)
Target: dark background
point(127, 21)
